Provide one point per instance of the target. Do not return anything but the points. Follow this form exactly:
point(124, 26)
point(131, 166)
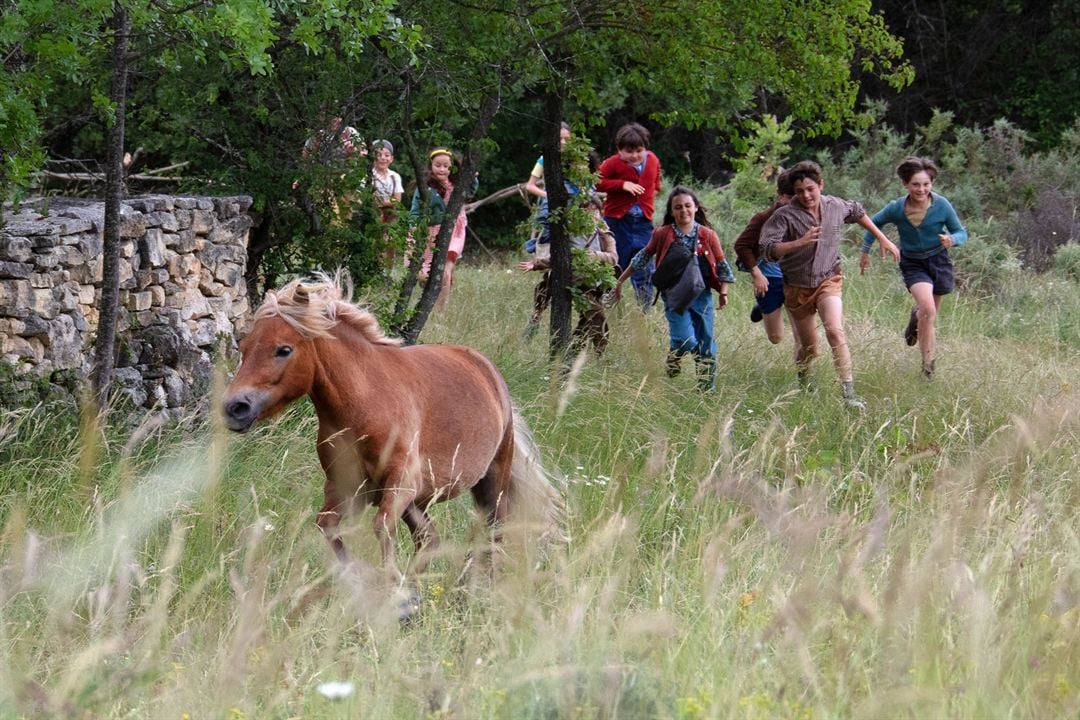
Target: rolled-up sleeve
point(723, 271)
point(772, 234)
point(853, 211)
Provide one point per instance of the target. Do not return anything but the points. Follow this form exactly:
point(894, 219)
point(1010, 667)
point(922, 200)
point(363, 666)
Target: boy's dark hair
point(699, 216)
point(631, 135)
point(783, 184)
point(804, 170)
point(911, 165)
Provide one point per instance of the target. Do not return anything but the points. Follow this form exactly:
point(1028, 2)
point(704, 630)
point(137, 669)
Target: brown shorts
point(802, 302)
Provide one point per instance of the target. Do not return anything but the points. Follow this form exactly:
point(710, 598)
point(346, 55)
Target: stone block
point(67, 294)
point(22, 348)
point(15, 294)
point(186, 241)
point(183, 219)
point(43, 304)
point(40, 280)
point(70, 255)
point(31, 228)
point(239, 307)
point(184, 203)
point(87, 294)
point(177, 392)
point(188, 265)
point(127, 275)
point(93, 244)
point(164, 220)
point(152, 248)
point(203, 332)
point(46, 259)
point(72, 226)
point(229, 273)
point(29, 326)
point(132, 223)
point(139, 301)
point(157, 295)
point(15, 249)
point(65, 343)
point(190, 303)
point(202, 221)
point(10, 269)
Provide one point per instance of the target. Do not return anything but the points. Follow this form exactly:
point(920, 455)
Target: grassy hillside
point(753, 553)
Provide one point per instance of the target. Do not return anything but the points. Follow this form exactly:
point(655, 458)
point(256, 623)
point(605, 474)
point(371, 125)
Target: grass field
point(754, 553)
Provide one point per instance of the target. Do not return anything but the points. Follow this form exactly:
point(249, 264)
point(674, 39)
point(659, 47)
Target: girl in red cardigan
point(631, 179)
point(692, 329)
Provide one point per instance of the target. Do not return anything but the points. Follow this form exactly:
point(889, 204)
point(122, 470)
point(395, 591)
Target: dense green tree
point(987, 59)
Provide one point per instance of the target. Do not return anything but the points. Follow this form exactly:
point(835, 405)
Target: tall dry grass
point(754, 553)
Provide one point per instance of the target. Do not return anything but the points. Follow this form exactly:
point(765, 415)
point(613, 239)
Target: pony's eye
point(283, 351)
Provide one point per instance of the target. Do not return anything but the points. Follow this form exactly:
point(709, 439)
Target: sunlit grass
point(758, 552)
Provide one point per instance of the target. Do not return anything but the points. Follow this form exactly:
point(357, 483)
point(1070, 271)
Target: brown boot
point(911, 332)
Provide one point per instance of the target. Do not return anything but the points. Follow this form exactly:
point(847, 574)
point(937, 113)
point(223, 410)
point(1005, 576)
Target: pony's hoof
point(407, 603)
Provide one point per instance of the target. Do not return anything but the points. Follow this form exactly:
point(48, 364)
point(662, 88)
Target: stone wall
point(182, 292)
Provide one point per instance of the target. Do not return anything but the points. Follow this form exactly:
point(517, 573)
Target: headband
point(440, 151)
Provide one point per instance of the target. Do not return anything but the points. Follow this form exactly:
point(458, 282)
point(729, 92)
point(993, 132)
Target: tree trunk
point(402, 314)
point(488, 108)
point(558, 198)
point(105, 343)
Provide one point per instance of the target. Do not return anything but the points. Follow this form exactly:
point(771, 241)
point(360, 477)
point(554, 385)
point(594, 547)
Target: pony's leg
point(329, 520)
point(395, 499)
point(424, 536)
point(492, 493)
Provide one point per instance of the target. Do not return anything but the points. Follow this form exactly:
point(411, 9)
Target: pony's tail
point(534, 502)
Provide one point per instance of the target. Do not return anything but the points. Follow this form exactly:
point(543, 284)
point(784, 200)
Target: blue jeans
point(632, 233)
point(692, 332)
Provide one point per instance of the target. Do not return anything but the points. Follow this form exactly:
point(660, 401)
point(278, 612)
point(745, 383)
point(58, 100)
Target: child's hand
point(946, 240)
point(633, 188)
point(761, 284)
point(864, 262)
point(888, 246)
point(612, 296)
point(811, 236)
point(526, 265)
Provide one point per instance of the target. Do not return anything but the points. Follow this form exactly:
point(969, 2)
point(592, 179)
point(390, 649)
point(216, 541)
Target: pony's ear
point(300, 295)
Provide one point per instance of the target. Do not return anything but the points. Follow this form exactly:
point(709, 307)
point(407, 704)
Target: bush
point(985, 265)
point(1067, 260)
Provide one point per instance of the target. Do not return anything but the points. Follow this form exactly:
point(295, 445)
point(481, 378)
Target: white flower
point(335, 690)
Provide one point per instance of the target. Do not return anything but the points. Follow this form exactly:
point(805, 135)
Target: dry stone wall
point(182, 292)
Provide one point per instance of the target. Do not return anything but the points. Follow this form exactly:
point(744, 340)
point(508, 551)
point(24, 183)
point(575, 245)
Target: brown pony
point(399, 427)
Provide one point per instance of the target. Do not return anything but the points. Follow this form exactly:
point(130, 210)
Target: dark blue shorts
point(936, 270)
point(773, 299)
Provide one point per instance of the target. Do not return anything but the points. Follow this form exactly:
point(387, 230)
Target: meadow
point(757, 552)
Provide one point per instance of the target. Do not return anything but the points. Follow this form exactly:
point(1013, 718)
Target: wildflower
point(335, 690)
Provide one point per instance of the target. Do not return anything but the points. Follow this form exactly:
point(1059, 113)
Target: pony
point(399, 427)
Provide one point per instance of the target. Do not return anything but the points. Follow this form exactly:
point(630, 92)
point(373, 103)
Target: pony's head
point(279, 356)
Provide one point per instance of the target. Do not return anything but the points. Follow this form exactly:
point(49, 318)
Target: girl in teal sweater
point(928, 227)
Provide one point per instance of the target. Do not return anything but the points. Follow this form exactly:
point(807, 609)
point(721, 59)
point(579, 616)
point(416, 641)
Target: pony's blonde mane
point(314, 307)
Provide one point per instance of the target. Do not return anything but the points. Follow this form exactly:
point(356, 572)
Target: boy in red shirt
point(631, 179)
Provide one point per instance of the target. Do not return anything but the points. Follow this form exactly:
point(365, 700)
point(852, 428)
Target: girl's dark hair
point(804, 170)
point(455, 166)
point(631, 136)
point(699, 216)
point(911, 165)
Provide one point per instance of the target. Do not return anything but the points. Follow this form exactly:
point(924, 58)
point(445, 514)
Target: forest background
point(226, 94)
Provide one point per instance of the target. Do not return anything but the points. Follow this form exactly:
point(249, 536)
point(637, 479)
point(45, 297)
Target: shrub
point(1067, 260)
point(985, 265)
